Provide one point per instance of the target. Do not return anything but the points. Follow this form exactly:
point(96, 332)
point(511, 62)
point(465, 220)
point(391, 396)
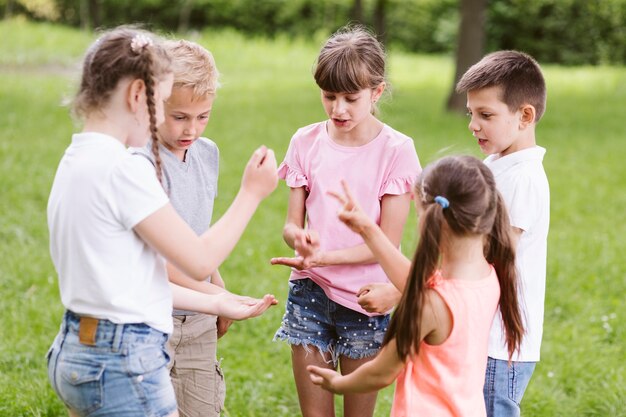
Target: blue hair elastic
point(442, 201)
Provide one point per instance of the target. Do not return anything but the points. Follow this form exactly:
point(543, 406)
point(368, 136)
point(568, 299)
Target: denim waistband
point(114, 335)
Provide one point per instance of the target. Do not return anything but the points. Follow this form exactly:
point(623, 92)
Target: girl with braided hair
point(464, 267)
point(111, 226)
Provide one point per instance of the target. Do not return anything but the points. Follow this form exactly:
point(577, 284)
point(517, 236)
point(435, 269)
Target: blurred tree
point(470, 46)
point(357, 11)
point(380, 11)
point(185, 14)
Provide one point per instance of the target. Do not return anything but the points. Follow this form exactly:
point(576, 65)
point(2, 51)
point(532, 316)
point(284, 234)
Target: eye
point(178, 118)
point(486, 115)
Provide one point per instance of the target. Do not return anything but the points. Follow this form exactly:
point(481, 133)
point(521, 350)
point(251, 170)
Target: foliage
point(568, 31)
point(267, 93)
point(571, 32)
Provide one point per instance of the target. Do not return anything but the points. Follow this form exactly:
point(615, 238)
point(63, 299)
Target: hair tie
point(442, 201)
point(139, 42)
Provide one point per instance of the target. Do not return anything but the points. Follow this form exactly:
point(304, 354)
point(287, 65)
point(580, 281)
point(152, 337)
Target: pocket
point(220, 388)
point(80, 384)
point(296, 288)
point(144, 359)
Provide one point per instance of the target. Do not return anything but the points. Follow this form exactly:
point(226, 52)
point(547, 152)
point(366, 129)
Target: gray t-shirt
point(190, 184)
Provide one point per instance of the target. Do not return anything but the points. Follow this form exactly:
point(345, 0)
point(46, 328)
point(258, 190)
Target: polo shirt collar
point(498, 164)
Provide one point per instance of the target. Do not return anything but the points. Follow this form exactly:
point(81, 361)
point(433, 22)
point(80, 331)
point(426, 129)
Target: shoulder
point(144, 151)
point(396, 139)
point(205, 146)
point(309, 133)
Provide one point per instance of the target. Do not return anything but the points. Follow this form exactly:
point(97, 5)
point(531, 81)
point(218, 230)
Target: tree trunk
point(470, 46)
point(83, 10)
point(379, 20)
point(185, 15)
point(95, 13)
point(8, 9)
point(357, 11)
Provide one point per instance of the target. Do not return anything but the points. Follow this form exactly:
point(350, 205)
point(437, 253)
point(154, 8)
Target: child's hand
point(378, 297)
point(238, 307)
point(350, 213)
point(260, 176)
point(323, 377)
point(307, 246)
point(222, 326)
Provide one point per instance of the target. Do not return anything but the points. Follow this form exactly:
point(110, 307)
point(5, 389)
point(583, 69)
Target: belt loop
point(117, 337)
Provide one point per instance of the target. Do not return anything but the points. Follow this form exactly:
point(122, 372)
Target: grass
point(267, 93)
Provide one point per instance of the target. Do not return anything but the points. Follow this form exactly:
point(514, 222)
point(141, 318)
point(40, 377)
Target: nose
point(473, 125)
point(339, 106)
point(190, 128)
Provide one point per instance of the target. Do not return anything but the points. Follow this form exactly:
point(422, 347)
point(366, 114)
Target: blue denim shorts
point(312, 319)
point(122, 373)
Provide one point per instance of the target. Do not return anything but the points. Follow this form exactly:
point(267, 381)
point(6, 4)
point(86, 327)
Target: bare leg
point(314, 401)
point(357, 405)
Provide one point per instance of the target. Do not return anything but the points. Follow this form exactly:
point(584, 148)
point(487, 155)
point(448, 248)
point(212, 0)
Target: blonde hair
point(193, 67)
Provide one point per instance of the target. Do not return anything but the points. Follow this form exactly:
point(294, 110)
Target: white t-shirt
point(100, 192)
point(522, 181)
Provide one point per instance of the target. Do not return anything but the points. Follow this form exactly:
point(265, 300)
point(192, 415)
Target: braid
point(149, 81)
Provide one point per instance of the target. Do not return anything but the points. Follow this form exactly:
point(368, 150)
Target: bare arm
point(383, 248)
point(371, 376)
point(178, 278)
point(436, 325)
point(199, 256)
point(394, 211)
point(224, 304)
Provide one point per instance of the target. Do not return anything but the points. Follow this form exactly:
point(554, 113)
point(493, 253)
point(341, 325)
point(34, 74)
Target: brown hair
point(193, 67)
point(351, 60)
point(122, 53)
point(475, 208)
point(517, 73)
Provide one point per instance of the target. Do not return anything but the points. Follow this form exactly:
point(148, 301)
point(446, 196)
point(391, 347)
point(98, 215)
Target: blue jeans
point(312, 319)
point(504, 386)
point(121, 371)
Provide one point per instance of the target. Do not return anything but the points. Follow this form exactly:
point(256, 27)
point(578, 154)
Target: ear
point(135, 93)
point(527, 115)
point(378, 91)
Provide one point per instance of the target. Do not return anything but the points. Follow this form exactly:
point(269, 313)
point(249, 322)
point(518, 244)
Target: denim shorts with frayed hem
point(312, 319)
point(122, 372)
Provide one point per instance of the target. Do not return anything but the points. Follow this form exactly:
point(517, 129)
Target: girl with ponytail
point(463, 269)
point(111, 224)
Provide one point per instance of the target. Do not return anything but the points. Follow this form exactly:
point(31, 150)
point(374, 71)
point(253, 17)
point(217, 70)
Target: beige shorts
point(196, 374)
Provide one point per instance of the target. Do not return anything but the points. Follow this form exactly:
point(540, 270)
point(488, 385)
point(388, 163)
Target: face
point(497, 129)
point(347, 110)
point(186, 117)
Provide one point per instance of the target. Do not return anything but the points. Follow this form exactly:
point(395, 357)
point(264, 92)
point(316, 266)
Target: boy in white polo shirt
point(506, 97)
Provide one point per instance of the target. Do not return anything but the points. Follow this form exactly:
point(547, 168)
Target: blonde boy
point(506, 97)
point(190, 166)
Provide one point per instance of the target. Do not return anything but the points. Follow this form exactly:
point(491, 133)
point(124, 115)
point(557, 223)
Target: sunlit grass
point(268, 92)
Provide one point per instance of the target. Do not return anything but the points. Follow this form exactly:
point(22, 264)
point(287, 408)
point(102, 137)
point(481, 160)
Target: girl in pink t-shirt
point(464, 266)
point(333, 269)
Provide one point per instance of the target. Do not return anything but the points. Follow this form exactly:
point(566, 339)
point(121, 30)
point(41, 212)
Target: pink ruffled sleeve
point(293, 178)
point(397, 186)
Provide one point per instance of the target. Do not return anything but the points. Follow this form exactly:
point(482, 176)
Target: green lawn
point(268, 92)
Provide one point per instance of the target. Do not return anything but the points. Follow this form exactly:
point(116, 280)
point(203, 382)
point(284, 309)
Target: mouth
point(185, 142)
point(340, 122)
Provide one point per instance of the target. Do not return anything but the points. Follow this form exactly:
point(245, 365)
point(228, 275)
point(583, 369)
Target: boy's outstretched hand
point(351, 213)
point(239, 307)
